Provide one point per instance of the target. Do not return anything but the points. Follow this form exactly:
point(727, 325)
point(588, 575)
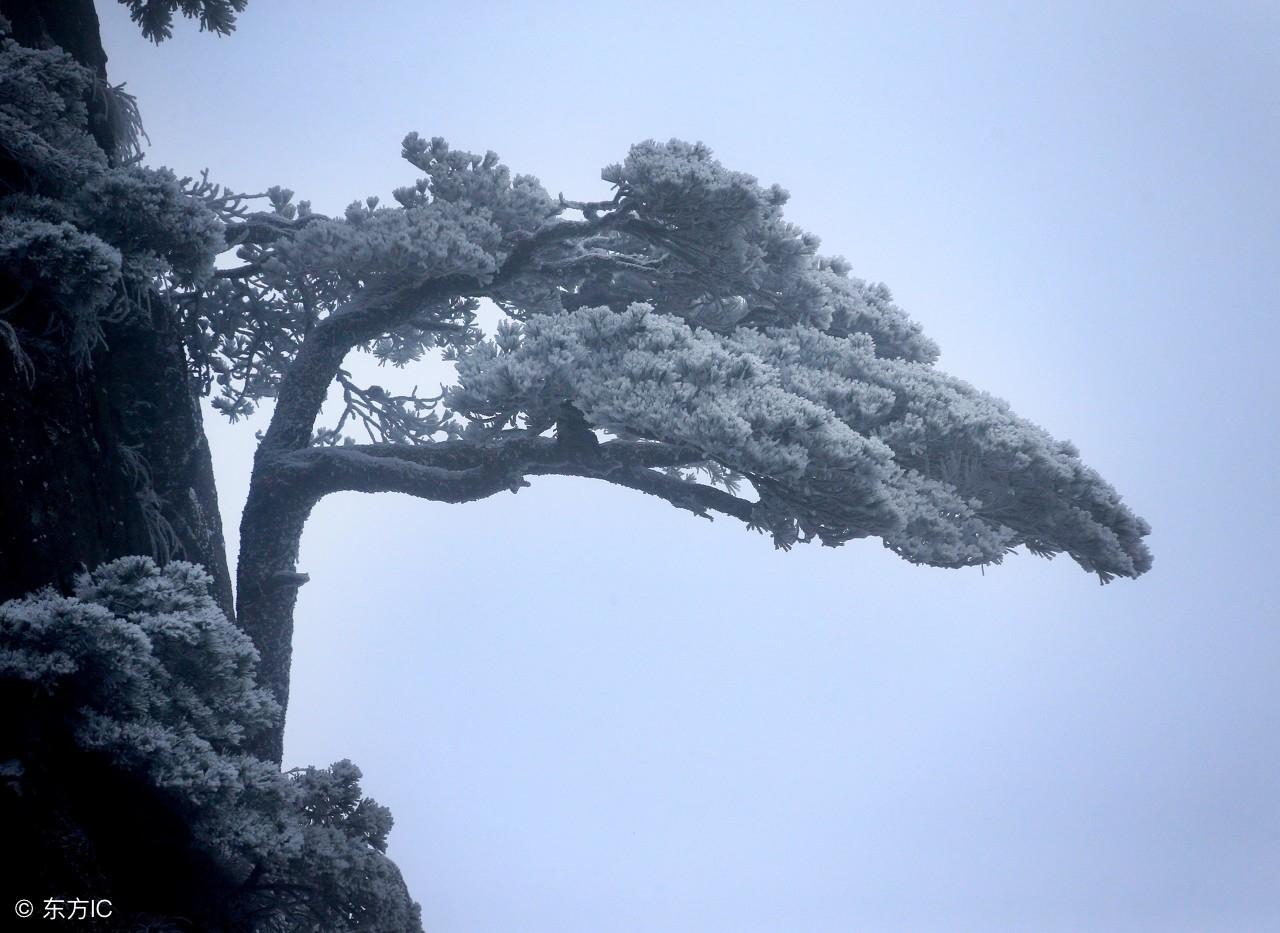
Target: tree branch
point(698, 498)
point(463, 470)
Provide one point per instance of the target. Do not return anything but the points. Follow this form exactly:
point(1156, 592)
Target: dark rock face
point(108, 459)
point(79, 827)
point(98, 459)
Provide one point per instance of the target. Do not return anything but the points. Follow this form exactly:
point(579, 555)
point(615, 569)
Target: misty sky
point(591, 712)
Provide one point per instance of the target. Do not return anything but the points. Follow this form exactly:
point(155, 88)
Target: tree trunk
point(267, 585)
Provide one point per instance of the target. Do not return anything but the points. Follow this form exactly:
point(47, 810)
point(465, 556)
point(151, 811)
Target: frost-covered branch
point(466, 470)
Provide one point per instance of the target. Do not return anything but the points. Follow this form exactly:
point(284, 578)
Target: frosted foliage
point(647, 374)
point(43, 118)
point(462, 218)
point(371, 245)
point(518, 206)
point(458, 222)
point(152, 674)
point(839, 442)
point(76, 271)
point(82, 240)
point(694, 240)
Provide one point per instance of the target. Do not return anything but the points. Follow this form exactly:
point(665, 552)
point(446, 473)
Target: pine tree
point(681, 339)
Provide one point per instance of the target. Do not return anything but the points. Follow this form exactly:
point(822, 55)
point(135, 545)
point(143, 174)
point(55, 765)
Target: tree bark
point(267, 584)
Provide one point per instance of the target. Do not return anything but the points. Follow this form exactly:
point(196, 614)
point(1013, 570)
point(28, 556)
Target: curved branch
point(365, 317)
point(463, 471)
point(698, 498)
point(319, 471)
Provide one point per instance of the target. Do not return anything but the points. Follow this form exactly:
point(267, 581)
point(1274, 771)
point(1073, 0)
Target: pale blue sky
point(589, 712)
